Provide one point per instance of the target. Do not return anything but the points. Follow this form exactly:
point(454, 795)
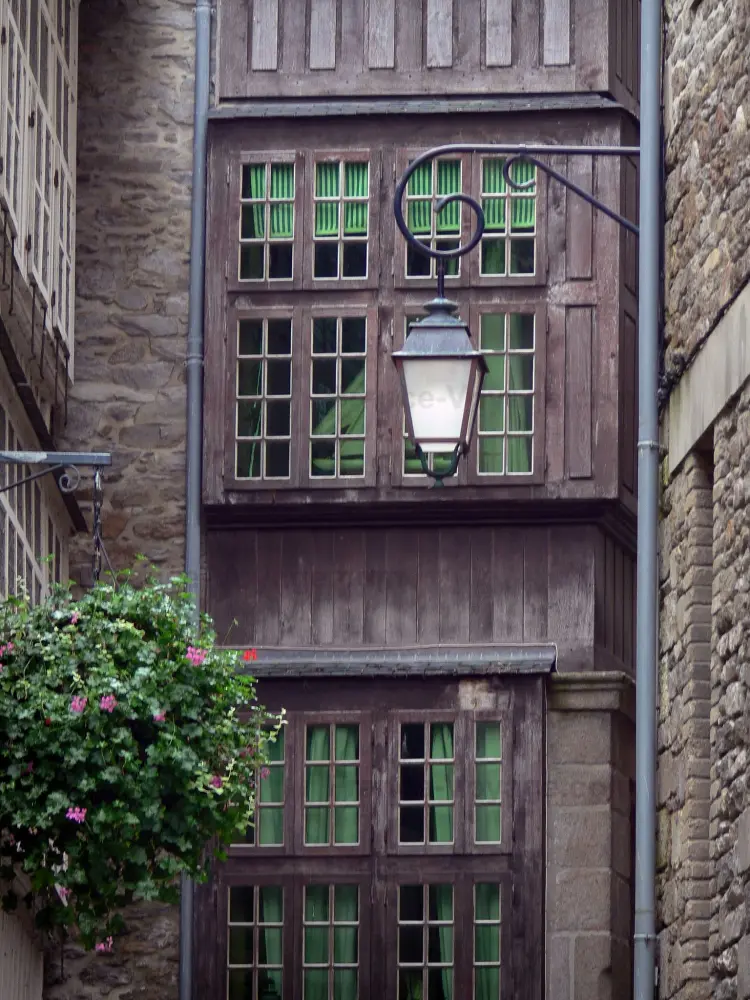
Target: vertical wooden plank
point(507, 584)
point(402, 560)
point(554, 413)
point(481, 605)
point(439, 33)
point(428, 604)
point(352, 52)
point(293, 39)
point(535, 584)
point(322, 574)
point(570, 621)
point(323, 34)
point(628, 602)
point(609, 590)
point(579, 221)
point(409, 38)
point(600, 590)
point(527, 39)
point(268, 604)
point(596, 44)
point(348, 587)
point(381, 34)
point(467, 56)
point(373, 633)
point(618, 637)
point(232, 57)
point(296, 588)
point(264, 51)
point(232, 590)
point(454, 583)
point(556, 32)
point(578, 322)
point(498, 33)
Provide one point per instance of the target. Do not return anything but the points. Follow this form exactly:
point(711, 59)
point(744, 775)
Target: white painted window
point(38, 74)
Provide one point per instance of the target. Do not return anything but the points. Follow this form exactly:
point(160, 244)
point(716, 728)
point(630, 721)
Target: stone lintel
point(592, 692)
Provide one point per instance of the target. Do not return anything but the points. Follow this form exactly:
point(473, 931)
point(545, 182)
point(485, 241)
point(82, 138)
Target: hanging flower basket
point(128, 743)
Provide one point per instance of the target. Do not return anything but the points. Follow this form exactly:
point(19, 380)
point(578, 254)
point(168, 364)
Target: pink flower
point(196, 655)
point(78, 704)
point(107, 703)
point(216, 781)
point(63, 893)
point(265, 772)
point(77, 814)
point(30, 767)
point(74, 618)
point(159, 716)
point(8, 648)
point(105, 945)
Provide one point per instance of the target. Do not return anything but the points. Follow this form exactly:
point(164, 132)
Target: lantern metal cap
point(439, 334)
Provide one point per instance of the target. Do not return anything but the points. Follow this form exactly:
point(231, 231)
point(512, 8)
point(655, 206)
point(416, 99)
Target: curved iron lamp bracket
point(439, 476)
point(515, 154)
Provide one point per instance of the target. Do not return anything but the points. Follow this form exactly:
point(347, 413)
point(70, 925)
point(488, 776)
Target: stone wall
point(730, 706)
point(683, 885)
point(707, 108)
point(133, 233)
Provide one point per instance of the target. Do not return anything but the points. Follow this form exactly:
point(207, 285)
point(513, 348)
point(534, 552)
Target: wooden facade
point(300, 49)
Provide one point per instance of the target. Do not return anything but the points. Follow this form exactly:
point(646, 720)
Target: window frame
point(341, 284)
point(249, 286)
point(509, 306)
point(372, 342)
point(235, 313)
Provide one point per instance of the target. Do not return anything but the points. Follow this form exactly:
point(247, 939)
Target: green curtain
point(258, 190)
point(271, 820)
point(327, 212)
point(317, 785)
point(419, 212)
point(282, 200)
point(356, 180)
point(449, 182)
point(318, 917)
point(346, 812)
point(493, 182)
point(487, 941)
point(352, 422)
point(441, 783)
point(270, 951)
point(488, 778)
point(256, 443)
point(444, 901)
point(519, 448)
point(345, 951)
point(524, 209)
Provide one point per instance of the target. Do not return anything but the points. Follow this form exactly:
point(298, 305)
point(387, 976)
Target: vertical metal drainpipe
point(194, 377)
point(648, 502)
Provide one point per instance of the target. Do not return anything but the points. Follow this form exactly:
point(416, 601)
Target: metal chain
point(96, 563)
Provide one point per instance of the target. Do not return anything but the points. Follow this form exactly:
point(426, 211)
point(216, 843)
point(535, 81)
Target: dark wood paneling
point(328, 48)
point(614, 605)
point(570, 621)
point(578, 401)
point(580, 218)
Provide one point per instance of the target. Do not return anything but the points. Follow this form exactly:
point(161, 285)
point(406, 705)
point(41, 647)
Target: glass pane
point(271, 827)
point(491, 453)
point(278, 417)
point(326, 180)
point(253, 225)
point(410, 944)
point(323, 458)
point(249, 378)
point(240, 984)
point(441, 824)
point(356, 180)
point(316, 945)
point(279, 336)
point(253, 180)
point(324, 377)
point(316, 984)
point(521, 331)
point(488, 782)
point(275, 748)
point(269, 985)
point(492, 335)
point(520, 413)
point(522, 214)
point(411, 825)
point(272, 786)
point(279, 378)
point(249, 422)
point(252, 262)
point(441, 741)
point(487, 943)
point(250, 336)
point(486, 983)
point(323, 417)
point(345, 903)
point(354, 260)
point(487, 901)
point(248, 460)
point(495, 377)
point(440, 984)
point(270, 905)
point(318, 743)
point(352, 376)
point(410, 984)
point(345, 984)
point(353, 335)
point(326, 260)
point(346, 825)
point(282, 181)
point(440, 945)
point(441, 782)
point(317, 784)
point(324, 335)
point(316, 904)
point(522, 256)
point(241, 945)
point(488, 829)
point(277, 459)
point(269, 946)
point(412, 741)
point(519, 455)
point(317, 825)
point(412, 782)
point(352, 421)
point(345, 945)
point(347, 782)
point(491, 413)
point(493, 256)
point(417, 264)
point(488, 742)
point(410, 902)
point(241, 899)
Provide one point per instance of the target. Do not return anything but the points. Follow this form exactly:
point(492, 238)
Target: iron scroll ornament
point(514, 154)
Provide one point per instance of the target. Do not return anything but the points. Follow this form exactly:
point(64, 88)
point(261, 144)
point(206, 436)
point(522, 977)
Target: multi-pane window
point(488, 757)
point(37, 147)
point(267, 221)
point(439, 231)
point(330, 960)
point(426, 783)
point(255, 939)
point(505, 425)
point(270, 794)
point(331, 785)
point(487, 950)
point(341, 219)
point(425, 942)
point(263, 400)
point(509, 241)
point(338, 389)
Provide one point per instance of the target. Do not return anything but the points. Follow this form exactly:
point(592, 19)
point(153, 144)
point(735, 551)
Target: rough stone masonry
point(133, 231)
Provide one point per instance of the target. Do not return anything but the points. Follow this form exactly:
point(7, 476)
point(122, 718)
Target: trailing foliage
point(128, 743)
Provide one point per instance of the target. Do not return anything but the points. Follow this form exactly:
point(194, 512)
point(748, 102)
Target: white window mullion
point(40, 197)
point(14, 93)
